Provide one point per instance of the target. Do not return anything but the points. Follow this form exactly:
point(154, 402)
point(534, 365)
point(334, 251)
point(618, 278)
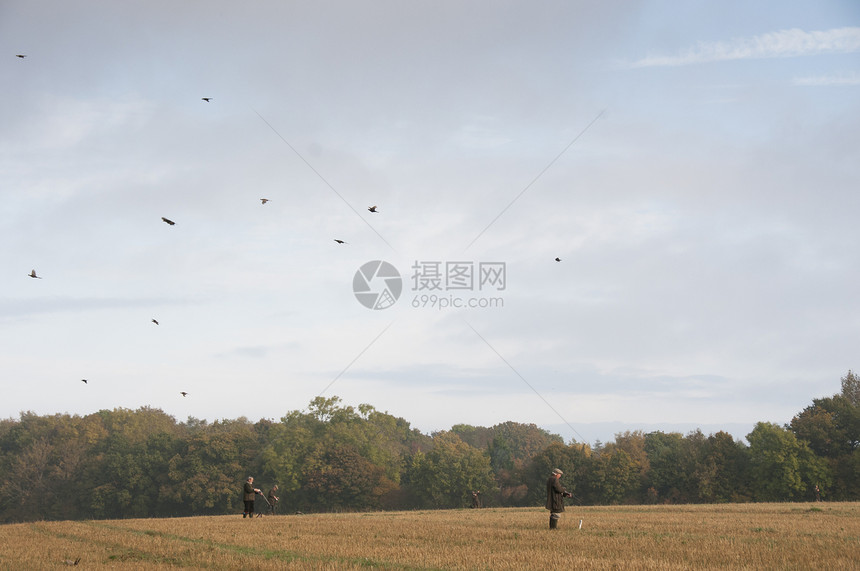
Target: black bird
point(339, 241)
point(206, 99)
point(84, 381)
point(22, 56)
point(372, 208)
point(183, 393)
point(154, 321)
point(558, 259)
point(264, 200)
point(171, 222)
point(32, 274)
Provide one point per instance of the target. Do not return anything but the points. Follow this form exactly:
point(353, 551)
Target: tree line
point(143, 463)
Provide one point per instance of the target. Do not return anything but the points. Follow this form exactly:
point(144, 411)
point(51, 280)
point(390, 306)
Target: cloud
point(833, 79)
point(784, 43)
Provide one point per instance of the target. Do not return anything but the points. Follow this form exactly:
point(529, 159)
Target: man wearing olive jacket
point(555, 494)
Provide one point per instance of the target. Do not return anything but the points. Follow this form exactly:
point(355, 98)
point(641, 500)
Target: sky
point(693, 166)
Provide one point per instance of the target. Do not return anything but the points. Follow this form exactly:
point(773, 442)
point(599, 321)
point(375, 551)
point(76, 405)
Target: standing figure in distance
point(273, 498)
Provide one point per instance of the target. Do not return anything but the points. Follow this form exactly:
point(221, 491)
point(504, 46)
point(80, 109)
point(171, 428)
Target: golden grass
point(736, 536)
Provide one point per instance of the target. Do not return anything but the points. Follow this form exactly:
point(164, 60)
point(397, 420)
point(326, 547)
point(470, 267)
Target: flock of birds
point(169, 222)
point(372, 209)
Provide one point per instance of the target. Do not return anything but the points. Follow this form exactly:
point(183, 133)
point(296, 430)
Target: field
point(737, 536)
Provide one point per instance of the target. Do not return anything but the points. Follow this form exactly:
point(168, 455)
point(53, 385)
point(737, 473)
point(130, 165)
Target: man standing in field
point(273, 498)
point(476, 499)
point(555, 494)
point(248, 497)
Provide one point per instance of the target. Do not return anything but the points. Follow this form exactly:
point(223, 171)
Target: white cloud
point(784, 43)
point(833, 79)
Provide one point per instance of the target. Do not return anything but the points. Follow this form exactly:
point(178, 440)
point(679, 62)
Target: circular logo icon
point(377, 285)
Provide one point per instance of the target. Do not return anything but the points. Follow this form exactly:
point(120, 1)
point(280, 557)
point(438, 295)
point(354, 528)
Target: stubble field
point(736, 536)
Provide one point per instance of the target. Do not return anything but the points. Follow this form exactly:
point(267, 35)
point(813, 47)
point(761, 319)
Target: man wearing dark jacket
point(272, 498)
point(248, 492)
point(555, 494)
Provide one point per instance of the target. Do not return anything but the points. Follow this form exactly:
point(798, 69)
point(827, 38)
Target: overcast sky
point(694, 165)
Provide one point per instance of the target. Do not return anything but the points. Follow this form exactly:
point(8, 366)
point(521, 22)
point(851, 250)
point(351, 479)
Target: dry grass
point(740, 536)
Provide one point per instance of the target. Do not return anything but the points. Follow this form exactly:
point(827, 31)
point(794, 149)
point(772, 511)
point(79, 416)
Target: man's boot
point(553, 521)
point(244, 515)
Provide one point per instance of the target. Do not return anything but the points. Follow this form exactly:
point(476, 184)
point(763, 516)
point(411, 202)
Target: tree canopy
point(330, 457)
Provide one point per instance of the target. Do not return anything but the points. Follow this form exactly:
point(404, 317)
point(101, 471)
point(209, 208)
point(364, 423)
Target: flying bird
point(206, 99)
point(155, 321)
point(183, 393)
point(558, 259)
point(372, 208)
point(84, 381)
point(339, 241)
point(32, 274)
point(22, 56)
point(264, 200)
point(171, 222)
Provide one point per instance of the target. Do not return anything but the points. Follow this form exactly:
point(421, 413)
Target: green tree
point(831, 427)
point(299, 446)
point(341, 478)
point(512, 447)
point(575, 461)
point(206, 472)
point(819, 427)
point(782, 467)
point(445, 475)
point(722, 474)
point(633, 444)
point(667, 465)
point(615, 476)
point(42, 459)
point(846, 484)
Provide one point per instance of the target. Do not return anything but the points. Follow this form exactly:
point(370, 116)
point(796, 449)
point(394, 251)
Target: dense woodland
point(143, 463)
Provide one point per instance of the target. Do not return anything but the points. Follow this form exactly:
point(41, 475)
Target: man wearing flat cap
point(555, 494)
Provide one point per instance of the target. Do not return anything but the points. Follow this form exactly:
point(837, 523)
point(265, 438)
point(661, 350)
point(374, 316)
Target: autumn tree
point(851, 388)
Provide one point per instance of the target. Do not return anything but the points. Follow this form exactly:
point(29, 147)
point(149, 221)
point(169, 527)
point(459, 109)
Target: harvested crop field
point(735, 536)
